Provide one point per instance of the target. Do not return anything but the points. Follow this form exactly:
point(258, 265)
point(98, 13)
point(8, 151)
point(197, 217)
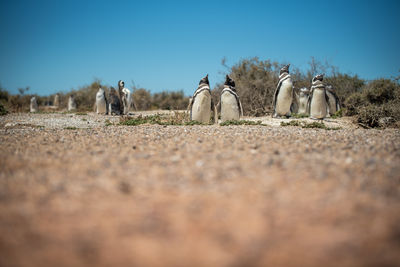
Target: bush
point(353, 102)
point(378, 105)
point(3, 110)
point(344, 85)
point(142, 98)
point(381, 91)
point(255, 84)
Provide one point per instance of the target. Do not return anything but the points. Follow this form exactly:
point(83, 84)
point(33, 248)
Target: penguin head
point(204, 80)
point(304, 91)
point(229, 82)
point(284, 69)
point(318, 77)
point(101, 90)
point(33, 98)
point(121, 84)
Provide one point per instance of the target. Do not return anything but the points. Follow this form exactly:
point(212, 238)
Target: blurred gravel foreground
point(81, 190)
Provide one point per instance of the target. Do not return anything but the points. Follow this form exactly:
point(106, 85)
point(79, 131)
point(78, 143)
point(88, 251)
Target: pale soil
point(153, 195)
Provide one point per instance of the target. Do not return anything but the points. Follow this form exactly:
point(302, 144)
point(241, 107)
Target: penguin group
point(318, 102)
point(118, 102)
point(201, 104)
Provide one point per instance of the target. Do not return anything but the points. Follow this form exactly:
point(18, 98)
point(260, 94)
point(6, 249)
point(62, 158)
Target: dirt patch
point(78, 191)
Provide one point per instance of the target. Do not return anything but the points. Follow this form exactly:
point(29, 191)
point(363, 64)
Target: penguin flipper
point(214, 108)
point(189, 108)
point(240, 108)
point(337, 102)
point(327, 103)
point(105, 98)
point(219, 106)
point(275, 98)
point(309, 103)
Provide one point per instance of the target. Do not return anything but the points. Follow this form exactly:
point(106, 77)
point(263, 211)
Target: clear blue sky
point(58, 45)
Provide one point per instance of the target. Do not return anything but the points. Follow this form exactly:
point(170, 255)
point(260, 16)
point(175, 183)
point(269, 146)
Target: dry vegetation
point(373, 104)
point(75, 192)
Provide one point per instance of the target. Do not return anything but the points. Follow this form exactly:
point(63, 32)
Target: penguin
point(71, 103)
point(101, 102)
point(34, 105)
point(231, 107)
point(317, 105)
point(56, 101)
point(126, 97)
point(202, 104)
point(114, 105)
point(283, 97)
point(334, 102)
point(303, 100)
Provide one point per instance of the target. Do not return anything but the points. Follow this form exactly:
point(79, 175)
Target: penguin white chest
point(201, 109)
point(229, 107)
point(33, 106)
point(100, 104)
point(332, 103)
point(318, 105)
point(71, 104)
point(303, 104)
point(284, 98)
point(127, 101)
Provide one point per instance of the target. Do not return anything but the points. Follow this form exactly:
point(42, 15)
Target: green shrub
point(380, 91)
point(240, 122)
point(3, 110)
point(302, 124)
point(291, 123)
point(378, 105)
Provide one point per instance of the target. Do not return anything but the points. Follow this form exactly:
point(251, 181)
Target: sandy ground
point(75, 192)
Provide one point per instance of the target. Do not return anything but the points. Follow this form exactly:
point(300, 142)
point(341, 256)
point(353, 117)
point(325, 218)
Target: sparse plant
point(3, 110)
point(302, 124)
point(298, 115)
point(291, 123)
point(178, 119)
point(240, 122)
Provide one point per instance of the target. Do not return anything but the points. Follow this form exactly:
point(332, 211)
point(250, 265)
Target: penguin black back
point(115, 104)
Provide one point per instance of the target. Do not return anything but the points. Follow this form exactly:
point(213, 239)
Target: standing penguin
point(303, 100)
point(202, 104)
point(317, 105)
point(126, 97)
point(231, 107)
point(283, 96)
point(33, 106)
point(114, 106)
point(71, 103)
point(334, 103)
point(56, 101)
point(101, 102)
